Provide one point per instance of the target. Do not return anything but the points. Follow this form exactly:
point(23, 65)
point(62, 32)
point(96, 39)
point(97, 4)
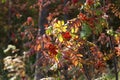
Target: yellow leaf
point(60, 38)
point(60, 26)
point(59, 22)
point(76, 30)
point(62, 22)
point(48, 32)
point(56, 25)
point(64, 28)
point(56, 59)
point(72, 30)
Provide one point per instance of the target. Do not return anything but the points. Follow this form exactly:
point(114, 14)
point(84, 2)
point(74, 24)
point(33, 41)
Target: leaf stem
point(114, 59)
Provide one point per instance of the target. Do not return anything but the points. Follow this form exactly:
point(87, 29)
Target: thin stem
point(9, 12)
point(85, 66)
point(114, 59)
point(43, 13)
point(86, 72)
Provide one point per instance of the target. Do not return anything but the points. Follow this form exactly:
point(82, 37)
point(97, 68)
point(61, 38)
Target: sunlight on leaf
point(60, 38)
point(59, 26)
point(54, 67)
point(10, 47)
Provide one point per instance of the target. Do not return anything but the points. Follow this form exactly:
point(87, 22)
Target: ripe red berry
point(29, 19)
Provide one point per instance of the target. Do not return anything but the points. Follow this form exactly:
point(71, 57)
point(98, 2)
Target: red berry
point(29, 19)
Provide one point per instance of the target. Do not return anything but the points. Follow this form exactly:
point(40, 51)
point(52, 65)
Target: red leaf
point(66, 35)
point(82, 17)
point(52, 49)
point(90, 2)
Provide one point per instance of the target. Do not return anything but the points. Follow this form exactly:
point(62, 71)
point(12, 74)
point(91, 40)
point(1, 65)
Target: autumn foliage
point(80, 45)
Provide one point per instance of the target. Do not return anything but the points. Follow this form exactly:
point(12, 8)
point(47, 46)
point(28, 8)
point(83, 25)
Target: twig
point(114, 59)
point(85, 66)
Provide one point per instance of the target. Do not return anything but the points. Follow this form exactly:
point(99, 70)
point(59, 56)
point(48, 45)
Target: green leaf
point(49, 31)
point(98, 28)
point(98, 12)
point(86, 31)
point(3, 1)
point(97, 4)
point(111, 32)
point(82, 34)
point(59, 55)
